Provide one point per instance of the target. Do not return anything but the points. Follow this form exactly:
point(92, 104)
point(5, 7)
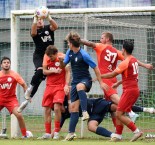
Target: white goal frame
point(15, 42)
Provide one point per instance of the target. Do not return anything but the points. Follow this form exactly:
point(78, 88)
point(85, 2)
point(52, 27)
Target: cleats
point(45, 136)
point(22, 106)
point(150, 110)
point(136, 136)
point(85, 116)
point(56, 135)
point(134, 118)
point(69, 137)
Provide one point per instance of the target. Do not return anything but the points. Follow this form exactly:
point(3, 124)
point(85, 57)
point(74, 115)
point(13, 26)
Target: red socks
point(48, 127)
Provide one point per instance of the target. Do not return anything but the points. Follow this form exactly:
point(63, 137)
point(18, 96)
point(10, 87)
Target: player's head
point(127, 47)
point(73, 39)
point(40, 23)
point(51, 51)
point(5, 63)
point(106, 37)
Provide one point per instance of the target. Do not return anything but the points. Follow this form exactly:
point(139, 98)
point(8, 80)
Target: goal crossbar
point(89, 10)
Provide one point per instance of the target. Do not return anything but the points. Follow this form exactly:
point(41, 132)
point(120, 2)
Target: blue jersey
point(80, 63)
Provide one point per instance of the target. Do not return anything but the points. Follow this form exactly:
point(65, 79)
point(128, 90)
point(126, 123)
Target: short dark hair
point(5, 58)
point(74, 38)
point(51, 50)
point(128, 46)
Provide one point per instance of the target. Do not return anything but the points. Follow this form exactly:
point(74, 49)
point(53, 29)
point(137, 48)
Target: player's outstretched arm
point(53, 23)
point(34, 25)
point(88, 43)
point(145, 65)
point(109, 75)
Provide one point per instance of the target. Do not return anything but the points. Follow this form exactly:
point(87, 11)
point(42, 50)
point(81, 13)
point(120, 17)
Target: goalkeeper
point(43, 36)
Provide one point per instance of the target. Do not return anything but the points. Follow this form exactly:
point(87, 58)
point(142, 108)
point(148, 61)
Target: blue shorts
point(74, 94)
point(98, 110)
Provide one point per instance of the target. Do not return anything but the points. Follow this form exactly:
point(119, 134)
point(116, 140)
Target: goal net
point(136, 24)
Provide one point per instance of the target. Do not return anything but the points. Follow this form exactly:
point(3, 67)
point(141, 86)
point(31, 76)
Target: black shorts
point(37, 60)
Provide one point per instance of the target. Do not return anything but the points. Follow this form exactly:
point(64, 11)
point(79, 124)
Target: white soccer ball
point(42, 12)
point(29, 134)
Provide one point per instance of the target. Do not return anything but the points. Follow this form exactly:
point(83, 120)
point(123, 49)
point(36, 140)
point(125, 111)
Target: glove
point(35, 17)
point(49, 16)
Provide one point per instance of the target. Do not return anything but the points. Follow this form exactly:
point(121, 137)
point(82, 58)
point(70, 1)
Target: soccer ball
point(29, 134)
point(42, 12)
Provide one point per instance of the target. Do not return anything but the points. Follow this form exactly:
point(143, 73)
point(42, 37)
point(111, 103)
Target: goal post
point(133, 23)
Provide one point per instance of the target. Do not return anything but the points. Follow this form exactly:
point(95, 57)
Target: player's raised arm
point(53, 23)
point(88, 43)
point(34, 25)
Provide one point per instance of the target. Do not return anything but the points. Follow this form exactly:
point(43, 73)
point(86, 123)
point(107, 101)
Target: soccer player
point(56, 88)
point(107, 57)
point(43, 36)
point(97, 108)
point(129, 70)
point(82, 81)
point(8, 99)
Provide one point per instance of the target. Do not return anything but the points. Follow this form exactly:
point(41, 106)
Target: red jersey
point(8, 83)
point(107, 57)
point(129, 70)
point(54, 79)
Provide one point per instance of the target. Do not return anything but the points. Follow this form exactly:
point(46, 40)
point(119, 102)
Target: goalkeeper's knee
point(38, 77)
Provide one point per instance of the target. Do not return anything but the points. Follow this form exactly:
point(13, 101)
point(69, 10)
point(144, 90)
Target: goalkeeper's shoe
point(134, 117)
point(22, 106)
point(45, 136)
point(136, 136)
point(69, 137)
point(85, 116)
point(27, 95)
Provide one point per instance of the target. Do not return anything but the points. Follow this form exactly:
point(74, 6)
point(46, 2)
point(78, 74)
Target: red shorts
point(128, 99)
point(110, 91)
point(9, 104)
point(53, 95)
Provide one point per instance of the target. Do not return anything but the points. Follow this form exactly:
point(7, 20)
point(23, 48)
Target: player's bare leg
point(115, 99)
point(21, 121)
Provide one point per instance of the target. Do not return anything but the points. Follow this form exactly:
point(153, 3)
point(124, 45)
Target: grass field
point(36, 126)
point(75, 142)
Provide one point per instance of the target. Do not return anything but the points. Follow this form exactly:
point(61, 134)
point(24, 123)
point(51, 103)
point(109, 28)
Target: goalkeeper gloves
point(49, 16)
point(35, 17)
